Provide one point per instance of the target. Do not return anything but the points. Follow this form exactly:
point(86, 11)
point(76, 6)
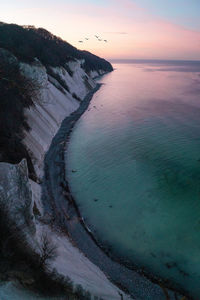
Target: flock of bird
point(97, 37)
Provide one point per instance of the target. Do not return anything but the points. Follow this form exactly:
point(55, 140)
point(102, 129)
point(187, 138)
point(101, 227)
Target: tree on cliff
point(28, 42)
point(48, 250)
point(16, 93)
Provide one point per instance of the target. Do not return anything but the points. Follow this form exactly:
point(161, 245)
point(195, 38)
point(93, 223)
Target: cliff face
point(42, 80)
point(60, 88)
point(15, 192)
point(56, 102)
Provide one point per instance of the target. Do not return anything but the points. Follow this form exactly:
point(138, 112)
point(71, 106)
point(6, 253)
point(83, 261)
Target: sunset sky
point(162, 29)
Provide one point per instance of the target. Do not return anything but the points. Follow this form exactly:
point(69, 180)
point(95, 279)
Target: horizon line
point(152, 59)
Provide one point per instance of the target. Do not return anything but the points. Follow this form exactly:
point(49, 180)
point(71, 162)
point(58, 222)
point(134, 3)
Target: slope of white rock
point(45, 117)
point(71, 263)
point(16, 194)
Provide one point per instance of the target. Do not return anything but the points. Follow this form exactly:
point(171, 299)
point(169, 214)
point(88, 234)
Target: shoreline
point(66, 215)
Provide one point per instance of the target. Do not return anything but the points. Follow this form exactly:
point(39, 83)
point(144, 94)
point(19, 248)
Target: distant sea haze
point(155, 61)
point(187, 65)
point(137, 156)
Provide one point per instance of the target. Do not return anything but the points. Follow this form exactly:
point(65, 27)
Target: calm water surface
point(137, 156)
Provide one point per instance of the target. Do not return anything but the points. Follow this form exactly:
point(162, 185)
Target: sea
point(134, 168)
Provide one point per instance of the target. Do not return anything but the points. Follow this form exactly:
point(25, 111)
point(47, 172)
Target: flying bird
point(100, 39)
point(86, 39)
point(80, 41)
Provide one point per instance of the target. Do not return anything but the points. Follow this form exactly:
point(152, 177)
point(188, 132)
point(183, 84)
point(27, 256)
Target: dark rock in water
point(96, 200)
point(110, 206)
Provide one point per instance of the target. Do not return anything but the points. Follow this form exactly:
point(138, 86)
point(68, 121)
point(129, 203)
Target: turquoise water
point(136, 153)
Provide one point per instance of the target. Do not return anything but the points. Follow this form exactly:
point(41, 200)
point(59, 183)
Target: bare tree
point(48, 250)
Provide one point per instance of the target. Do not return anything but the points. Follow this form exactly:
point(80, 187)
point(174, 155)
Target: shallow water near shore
point(134, 168)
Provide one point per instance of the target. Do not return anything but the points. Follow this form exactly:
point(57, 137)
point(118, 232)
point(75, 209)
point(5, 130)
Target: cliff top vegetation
point(29, 42)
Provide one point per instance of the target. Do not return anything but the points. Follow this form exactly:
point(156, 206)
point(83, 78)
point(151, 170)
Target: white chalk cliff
point(44, 118)
point(54, 105)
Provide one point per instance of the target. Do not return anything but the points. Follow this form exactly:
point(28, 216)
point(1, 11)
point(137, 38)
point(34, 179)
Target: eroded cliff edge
point(61, 82)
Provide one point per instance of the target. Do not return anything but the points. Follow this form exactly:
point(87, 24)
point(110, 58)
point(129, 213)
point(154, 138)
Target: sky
point(134, 29)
